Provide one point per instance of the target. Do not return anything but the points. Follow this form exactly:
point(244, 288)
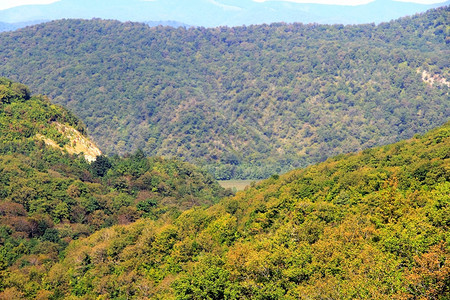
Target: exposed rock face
point(78, 142)
point(432, 79)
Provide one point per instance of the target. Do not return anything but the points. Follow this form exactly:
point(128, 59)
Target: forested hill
point(246, 102)
point(50, 195)
point(370, 225)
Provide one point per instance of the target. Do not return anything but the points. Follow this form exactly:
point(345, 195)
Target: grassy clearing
point(239, 185)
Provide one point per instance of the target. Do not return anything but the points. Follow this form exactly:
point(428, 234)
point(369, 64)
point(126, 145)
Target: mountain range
point(212, 13)
point(242, 102)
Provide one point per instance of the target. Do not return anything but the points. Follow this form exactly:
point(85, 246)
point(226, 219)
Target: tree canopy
point(49, 197)
point(369, 225)
point(246, 102)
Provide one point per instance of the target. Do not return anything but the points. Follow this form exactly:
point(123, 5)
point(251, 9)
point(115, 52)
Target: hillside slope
point(370, 225)
point(26, 119)
point(246, 102)
point(50, 195)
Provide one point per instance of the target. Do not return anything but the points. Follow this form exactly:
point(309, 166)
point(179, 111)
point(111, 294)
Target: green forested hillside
point(49, 197)
point(246, 102)
point(370, 225)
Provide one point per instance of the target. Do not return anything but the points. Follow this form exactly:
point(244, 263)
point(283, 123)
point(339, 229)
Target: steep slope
point(247, 102)
point(25, 119)
point(370, 225)
point(77, 143)
point(49, 195)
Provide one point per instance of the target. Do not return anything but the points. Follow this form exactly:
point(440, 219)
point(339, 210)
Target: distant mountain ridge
point(217, 13)
point(167, 23)
point(15, 26)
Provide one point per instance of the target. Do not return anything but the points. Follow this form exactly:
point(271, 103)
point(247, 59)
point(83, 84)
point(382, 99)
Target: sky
point(5, 4)
point(353, 2)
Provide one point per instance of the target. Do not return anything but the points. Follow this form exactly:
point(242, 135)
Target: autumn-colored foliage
point(369, 225)
point(49, 198)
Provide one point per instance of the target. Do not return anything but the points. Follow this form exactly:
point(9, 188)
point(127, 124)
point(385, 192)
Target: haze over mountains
point(210, 13)
point(13, 26)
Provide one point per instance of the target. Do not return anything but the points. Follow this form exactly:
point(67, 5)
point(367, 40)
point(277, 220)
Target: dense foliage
point(23, 116)
point(371, 225)
point(247, 102)
point(49, 198)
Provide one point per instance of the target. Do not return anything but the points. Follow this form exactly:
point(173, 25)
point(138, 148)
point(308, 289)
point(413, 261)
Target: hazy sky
point(4, 4)
point(353, 2)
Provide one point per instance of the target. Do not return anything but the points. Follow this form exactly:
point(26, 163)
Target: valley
point(242, 102)
point(275, 161)
point(372, 224)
